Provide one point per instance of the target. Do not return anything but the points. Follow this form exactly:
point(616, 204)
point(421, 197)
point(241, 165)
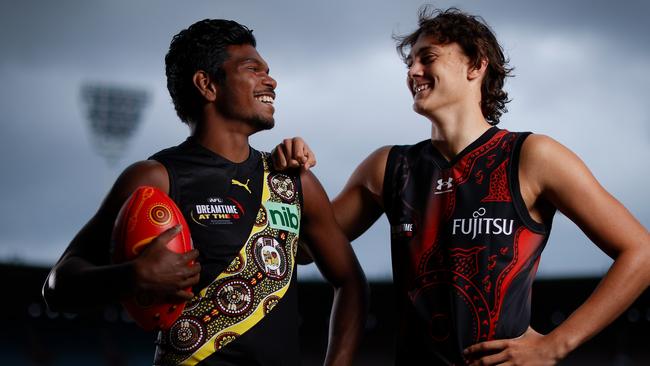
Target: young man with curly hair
point(243, 309)
point(470, 211)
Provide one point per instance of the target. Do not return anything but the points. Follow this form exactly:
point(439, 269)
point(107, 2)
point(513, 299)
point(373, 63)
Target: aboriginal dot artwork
point(186, 334)
point(246, 291)
point(233, 297)
point(236, 265)
point(224, 339)
point(160, 214)
point(261, 218)
point(270, 303)
point(283, 186)
point(270, 257)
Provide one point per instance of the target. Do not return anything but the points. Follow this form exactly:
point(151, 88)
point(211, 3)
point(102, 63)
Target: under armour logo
point(446, 185)
point(238, 183)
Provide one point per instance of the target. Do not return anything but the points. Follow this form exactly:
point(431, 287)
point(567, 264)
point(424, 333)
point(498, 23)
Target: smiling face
point(437, 76)
point(247, 91)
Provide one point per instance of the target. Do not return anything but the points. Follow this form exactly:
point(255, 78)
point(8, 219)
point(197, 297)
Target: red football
point(146, 214)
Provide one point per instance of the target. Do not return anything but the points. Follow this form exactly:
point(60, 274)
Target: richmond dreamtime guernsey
point(244, 220)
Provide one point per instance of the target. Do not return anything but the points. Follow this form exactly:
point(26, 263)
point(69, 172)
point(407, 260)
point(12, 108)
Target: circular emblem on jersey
point(471, 306)
point(283, 186)
point(270, 257)
point(160, 214)
point(223, 339)
point(236, 265)
point(234, 297)
point(270, 302)
point(187, 334)
point(261, 218)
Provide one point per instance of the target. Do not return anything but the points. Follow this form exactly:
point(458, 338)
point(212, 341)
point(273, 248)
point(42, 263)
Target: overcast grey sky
point(581, 77)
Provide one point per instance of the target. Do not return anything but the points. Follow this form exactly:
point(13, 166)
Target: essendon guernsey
point(464, 248)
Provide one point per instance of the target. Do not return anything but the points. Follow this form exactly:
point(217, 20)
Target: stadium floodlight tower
point(113, 114)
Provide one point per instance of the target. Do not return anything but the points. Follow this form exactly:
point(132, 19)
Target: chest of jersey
point(461, 250)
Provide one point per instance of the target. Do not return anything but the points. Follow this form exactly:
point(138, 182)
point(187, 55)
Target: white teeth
point(265, 99)
point(419, 88)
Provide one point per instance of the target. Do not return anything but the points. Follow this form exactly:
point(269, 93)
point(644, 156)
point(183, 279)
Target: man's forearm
point(624, 282)
point(347, 321)
point(77, 285)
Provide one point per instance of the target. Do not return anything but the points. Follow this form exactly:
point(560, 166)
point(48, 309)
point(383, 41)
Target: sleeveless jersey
point(244, 220)
point(464, 248)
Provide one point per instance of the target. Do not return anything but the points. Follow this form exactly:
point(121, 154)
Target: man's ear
point(205, 85)
point(477, 72)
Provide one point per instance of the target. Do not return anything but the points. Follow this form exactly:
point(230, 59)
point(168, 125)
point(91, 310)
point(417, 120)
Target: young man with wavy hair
point(470, 210)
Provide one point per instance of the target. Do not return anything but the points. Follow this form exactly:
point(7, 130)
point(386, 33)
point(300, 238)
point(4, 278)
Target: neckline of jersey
point(250, 162)
point(442, 162)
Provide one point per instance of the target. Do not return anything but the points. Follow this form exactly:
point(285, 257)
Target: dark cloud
point(580, 70)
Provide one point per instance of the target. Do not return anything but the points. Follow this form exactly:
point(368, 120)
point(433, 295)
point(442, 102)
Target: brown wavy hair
point(478, 42)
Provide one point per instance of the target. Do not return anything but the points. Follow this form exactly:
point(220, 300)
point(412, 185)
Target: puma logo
point(244, 185)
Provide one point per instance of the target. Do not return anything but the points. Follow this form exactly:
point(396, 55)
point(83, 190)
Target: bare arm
point(336, 260)
point(550, 172)
point(84, 277)
point(360, 202)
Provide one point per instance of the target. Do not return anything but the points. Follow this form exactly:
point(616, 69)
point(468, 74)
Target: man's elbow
point(50, 293)
point(355, 282)
point(55, 295)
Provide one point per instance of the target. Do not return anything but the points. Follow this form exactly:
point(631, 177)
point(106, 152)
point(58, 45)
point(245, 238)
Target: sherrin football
point(147, 213)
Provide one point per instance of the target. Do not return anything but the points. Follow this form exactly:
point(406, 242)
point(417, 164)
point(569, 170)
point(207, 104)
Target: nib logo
point(283, 216)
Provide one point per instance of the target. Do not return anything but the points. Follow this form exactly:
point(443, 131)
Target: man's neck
point(452, 131)
point(229, 140)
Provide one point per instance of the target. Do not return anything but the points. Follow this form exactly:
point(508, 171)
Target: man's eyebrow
point(420, 51)
point(255, 61)
point(426, 49)
point(249, 59)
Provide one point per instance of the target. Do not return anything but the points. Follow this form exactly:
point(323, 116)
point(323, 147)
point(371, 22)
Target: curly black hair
point(478, 42)
point(202, 46)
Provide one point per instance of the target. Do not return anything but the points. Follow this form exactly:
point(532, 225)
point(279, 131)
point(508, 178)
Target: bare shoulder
point(550, 168)
point(541, 148)
point(141, 173)
point(145, 172)
point(370, 172)
point(377, 159)
point(543, 155)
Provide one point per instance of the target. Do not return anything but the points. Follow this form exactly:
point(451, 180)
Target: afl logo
point(160, 214)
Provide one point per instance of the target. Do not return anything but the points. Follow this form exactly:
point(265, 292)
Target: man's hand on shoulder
point(293, 153)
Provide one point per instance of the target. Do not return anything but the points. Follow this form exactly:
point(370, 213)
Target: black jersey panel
point(218, 198)
point(462, 254)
